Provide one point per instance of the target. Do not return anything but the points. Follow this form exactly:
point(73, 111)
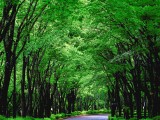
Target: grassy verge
point(121, 118)
point(20, 118)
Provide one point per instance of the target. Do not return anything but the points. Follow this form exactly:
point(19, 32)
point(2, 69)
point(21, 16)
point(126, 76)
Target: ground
point(90, 117)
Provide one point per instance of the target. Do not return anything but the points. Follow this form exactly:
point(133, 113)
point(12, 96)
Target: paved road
point(90, 117)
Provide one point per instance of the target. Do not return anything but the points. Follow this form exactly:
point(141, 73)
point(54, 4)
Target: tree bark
point(23, 99)
point(14, 89)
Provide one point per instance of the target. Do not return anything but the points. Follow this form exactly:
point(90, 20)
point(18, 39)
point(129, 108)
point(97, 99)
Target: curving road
point(90, 117)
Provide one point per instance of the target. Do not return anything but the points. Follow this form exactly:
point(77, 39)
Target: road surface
point(90, 117)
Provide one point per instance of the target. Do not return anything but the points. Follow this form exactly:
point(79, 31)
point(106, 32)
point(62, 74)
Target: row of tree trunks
point(142, 87)
point(11, 38)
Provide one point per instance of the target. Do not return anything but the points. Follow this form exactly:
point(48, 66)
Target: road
point(90, 117)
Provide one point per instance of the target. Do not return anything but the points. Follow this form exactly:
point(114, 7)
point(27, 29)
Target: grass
point(20, 118)
point(121, 118)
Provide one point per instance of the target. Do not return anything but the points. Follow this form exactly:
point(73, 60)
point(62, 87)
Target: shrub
point(2, 117)
point(156, 118)
point(133, 119)
point(61, 115)
point(29, 118)
point(47, 118)
point(36, 119)
point(104, 111)
point(146, 119)
point(91, 112)
point(84, 112)
point(76, 113)
point(112, 118)
point(53, 117)
point(68, 115)
point(97, 111)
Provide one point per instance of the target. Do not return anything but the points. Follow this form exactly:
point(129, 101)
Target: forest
point(63, 56)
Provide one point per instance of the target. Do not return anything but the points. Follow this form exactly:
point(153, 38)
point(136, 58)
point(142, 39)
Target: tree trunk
point(47, 101)
point(131, 104)
point(23, 99)
point(30, 108)
point(9, 15)
point(14, 89)
point(138, 104)
point(7, 77)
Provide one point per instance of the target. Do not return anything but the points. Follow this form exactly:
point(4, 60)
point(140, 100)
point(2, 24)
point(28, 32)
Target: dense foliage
point(61, 56)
